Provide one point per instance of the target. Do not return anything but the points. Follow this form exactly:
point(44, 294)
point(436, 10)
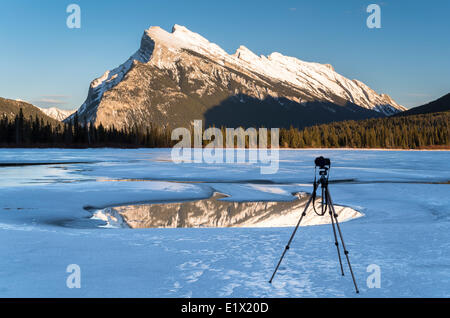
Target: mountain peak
point(244, 53)
point(183, 33)
point(330, 67)
point(56, 113)
point(183, 38)
point(181, 29)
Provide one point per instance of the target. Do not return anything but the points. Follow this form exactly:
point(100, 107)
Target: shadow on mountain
point(246, 111)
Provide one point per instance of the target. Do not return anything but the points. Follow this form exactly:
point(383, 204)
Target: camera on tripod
point(324, 165)
point(322, 162)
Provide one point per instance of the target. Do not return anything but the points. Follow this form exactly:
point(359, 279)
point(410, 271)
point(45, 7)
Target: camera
point(321, 162)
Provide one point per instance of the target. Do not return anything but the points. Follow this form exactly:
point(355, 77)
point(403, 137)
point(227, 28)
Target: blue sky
point(44, 62)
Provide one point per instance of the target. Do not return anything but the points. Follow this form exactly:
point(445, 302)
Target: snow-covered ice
point(44, 226)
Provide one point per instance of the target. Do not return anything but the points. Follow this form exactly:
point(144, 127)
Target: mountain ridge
point(11, 108)
point(176, 77)
point(441, 104)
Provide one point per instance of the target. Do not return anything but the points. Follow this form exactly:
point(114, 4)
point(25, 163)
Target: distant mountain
point(10, 108)
point(56, 113)
point(177, 77)
point(439, 105)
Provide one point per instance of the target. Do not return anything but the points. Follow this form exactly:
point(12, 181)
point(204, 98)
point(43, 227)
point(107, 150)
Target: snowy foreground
point(44, 226)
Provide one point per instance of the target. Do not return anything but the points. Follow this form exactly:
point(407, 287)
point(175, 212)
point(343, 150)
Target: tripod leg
point(330, 211)
point(342, 240)
point(292, 237)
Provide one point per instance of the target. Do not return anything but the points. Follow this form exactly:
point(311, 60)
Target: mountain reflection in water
point(214, 212)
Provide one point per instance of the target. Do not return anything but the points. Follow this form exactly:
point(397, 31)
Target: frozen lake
point(45, 226)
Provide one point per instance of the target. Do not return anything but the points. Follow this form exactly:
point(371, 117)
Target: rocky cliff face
point(177, 77)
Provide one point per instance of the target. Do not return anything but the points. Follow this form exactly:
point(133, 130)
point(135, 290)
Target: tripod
point(327, 205)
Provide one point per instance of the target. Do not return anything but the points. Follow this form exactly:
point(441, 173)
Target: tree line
point(408, 132)
point(34, 132)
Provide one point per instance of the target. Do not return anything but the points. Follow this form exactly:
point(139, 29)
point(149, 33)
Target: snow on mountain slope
point(182, 69)
point(56, 113)
point(314, 77)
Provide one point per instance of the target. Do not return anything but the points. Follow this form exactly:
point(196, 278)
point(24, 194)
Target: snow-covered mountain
point(56, 113)
point(180, 76)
